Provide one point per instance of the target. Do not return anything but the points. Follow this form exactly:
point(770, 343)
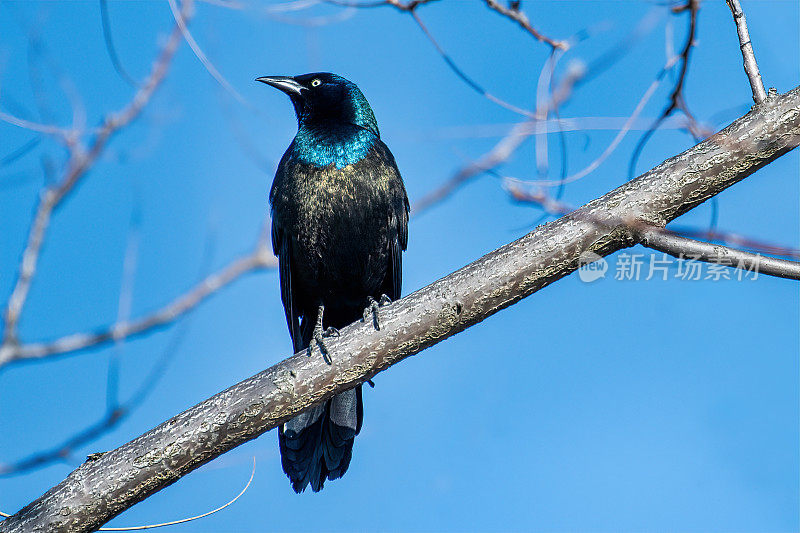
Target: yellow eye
point(316, 82)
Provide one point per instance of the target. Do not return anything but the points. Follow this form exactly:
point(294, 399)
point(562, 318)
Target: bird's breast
point(337, 219)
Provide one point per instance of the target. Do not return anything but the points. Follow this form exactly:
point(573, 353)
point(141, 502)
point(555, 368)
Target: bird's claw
point(319, 338)
point(373, 310)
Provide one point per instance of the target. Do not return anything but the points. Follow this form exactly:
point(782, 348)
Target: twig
point(124, 303)
point(543, 89)
point(110, 420)
point(733, 239)
point(65, 449)
point(676, 100)
point(20, 152)
point(576, 74)
point(64, 134)
point(190, 519)
point(591, 167)
point(408, 6)
point(684, 248)
point(209, 66)
point(461, 74)
point(750, 65)
point(513, 12)
point(503, 150)
point(112, 51)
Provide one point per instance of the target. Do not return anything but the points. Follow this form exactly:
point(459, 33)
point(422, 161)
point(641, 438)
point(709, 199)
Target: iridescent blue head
point(335, 122)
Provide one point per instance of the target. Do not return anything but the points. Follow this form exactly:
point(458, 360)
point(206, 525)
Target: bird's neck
point(325, 143)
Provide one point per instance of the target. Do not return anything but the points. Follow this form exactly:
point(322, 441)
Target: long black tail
point(318, 444)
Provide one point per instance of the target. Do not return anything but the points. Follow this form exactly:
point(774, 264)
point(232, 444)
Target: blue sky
point(609, 406)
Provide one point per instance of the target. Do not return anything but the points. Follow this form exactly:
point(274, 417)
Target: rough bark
point(100, 489)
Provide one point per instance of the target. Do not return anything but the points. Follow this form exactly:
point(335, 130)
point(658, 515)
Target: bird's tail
point(317, 445)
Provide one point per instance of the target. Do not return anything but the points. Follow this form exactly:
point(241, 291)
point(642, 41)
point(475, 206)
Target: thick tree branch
point(100, 489)
point(750, 65)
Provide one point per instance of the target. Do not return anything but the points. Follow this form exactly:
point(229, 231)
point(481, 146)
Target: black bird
point(339, 225)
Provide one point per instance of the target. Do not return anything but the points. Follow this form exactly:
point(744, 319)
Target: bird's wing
point(282, 245)
point(398, 237)
point(398, 233)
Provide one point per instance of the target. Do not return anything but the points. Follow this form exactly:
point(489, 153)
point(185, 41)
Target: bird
point(339, 226)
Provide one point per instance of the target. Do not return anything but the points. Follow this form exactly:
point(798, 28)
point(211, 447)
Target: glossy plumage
point(339, 226)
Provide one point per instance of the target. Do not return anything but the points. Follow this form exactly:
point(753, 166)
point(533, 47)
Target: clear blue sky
point(611, 406)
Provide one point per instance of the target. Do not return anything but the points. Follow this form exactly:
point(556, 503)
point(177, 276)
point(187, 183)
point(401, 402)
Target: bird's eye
point(316, 82)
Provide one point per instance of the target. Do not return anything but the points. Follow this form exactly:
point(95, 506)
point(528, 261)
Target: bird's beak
point(283, 83)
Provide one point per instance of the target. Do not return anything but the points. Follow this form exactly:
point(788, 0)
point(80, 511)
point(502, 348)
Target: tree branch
point(101, 489)
point(80, 162)
point(553, 206)
point(513, 12)
point(260, 258)
point(684, 248)
point(750, 65)
point(676, 99)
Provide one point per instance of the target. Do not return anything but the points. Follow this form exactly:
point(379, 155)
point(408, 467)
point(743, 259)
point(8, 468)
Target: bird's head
point(322, 97)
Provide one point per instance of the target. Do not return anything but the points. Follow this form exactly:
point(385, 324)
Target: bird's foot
point(373, 310)
point(320, 335)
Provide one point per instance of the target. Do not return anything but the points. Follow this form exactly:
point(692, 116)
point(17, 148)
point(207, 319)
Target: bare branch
point(553, 206)
point(733, 239)
point(461, 74)
point(112, 51)
point(260, 258)
point(513, 12)
point(80, 161)
point(503, 150)
point(410, 8)
point(750, 65)
point(101, 489)
point(684, 248)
